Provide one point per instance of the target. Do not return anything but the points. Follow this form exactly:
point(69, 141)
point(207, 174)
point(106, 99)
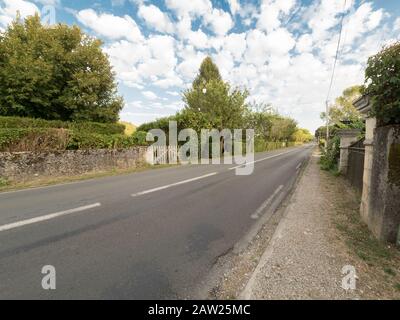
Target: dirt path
point(318, 235)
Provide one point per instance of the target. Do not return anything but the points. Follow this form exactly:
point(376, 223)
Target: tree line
point(60, 73)
point(212, 103)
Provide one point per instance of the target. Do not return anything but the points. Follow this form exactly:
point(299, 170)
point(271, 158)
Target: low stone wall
point(25, 166)
point(384, 201)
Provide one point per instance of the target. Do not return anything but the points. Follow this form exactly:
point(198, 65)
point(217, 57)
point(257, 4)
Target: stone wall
point(25, 166)
point(384, 203)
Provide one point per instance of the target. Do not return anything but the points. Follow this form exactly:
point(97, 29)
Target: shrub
point(86, 140)
point(3, 182)
point(382, 77)
point(25, 134)
point(95, 127)
point(33, 139)
point(330, 157)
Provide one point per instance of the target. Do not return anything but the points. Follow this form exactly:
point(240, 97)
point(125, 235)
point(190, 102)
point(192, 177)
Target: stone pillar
point(347, 138)
point(384, 196)
point(370, 125)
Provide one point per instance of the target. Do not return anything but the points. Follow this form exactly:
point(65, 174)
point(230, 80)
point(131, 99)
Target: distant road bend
point(149, 235)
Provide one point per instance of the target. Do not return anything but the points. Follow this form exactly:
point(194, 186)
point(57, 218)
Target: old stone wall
point(25, 166)
point(384, 212)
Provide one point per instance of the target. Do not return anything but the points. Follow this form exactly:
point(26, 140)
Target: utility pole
point(327, 125)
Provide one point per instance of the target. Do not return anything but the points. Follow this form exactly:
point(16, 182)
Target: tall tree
point(221, 105)
point(55, 72)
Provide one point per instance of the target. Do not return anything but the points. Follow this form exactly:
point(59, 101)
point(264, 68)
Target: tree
point(221, 105)
point(302, 135)
point(382, 80)
point(55, 73)
point(282, 128)
point(343, 113)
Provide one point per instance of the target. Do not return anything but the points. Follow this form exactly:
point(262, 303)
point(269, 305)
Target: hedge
point(85, 140)
point(47, 139)
point(94, 127)
point(261, 145)
point(33, 139)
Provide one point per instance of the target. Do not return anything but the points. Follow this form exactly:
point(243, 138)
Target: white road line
point(263, 159)
point(260, 210)
point(46, 217)
point(173, 184)
point(299, 165)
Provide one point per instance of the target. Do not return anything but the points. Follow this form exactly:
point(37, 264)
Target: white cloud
point(155, 18)
point(150, 95)
point(361, 21)
point(219, 21)
point(193, 7)
point(236, 44)
point(173, 93)
point(271, 13)
point(110, 26)
point(9, 12)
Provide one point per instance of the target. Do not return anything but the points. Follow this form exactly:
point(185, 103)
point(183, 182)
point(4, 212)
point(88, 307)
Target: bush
point(33, 139)
point(330, 157)
point(383, 85)
point(261, 145)
point(95, 127)
point(26, 134)
point(85, 140)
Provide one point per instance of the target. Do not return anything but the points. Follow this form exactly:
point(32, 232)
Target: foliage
point(94, 127)
point(382, 79)
point(213, 103)
point(86, 140)
point(55, 73)
point(330, 157)
point(221, 105)
point(261, 145)
point(26, 134)
point(3, 182)
point(343, 114)
point(301, 136)
point(33, 139)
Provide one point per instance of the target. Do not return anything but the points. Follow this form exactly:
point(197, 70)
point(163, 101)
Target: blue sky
point(282, 51)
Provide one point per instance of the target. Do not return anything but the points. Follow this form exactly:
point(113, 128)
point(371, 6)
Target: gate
point(355, 170)
point(161, 154)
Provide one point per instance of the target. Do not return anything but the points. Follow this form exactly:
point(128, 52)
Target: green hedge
point(261, 145)
point(46, 139)
point(93, 127)
point(31, 139)
point(85, 140)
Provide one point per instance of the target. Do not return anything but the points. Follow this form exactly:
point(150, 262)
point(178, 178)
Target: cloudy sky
point(282, 51)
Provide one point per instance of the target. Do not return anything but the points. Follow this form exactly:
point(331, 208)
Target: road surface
point(149, 235)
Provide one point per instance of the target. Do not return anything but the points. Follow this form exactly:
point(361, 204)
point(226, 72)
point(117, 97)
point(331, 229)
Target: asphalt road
point(149, 235)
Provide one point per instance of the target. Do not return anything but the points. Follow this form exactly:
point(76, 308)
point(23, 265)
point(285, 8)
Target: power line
point(333, 75)
point(337, 51)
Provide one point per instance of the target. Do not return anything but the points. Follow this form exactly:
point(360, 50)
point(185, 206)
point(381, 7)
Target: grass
point(381, 261)
point(3, 182)
point(49, 181)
